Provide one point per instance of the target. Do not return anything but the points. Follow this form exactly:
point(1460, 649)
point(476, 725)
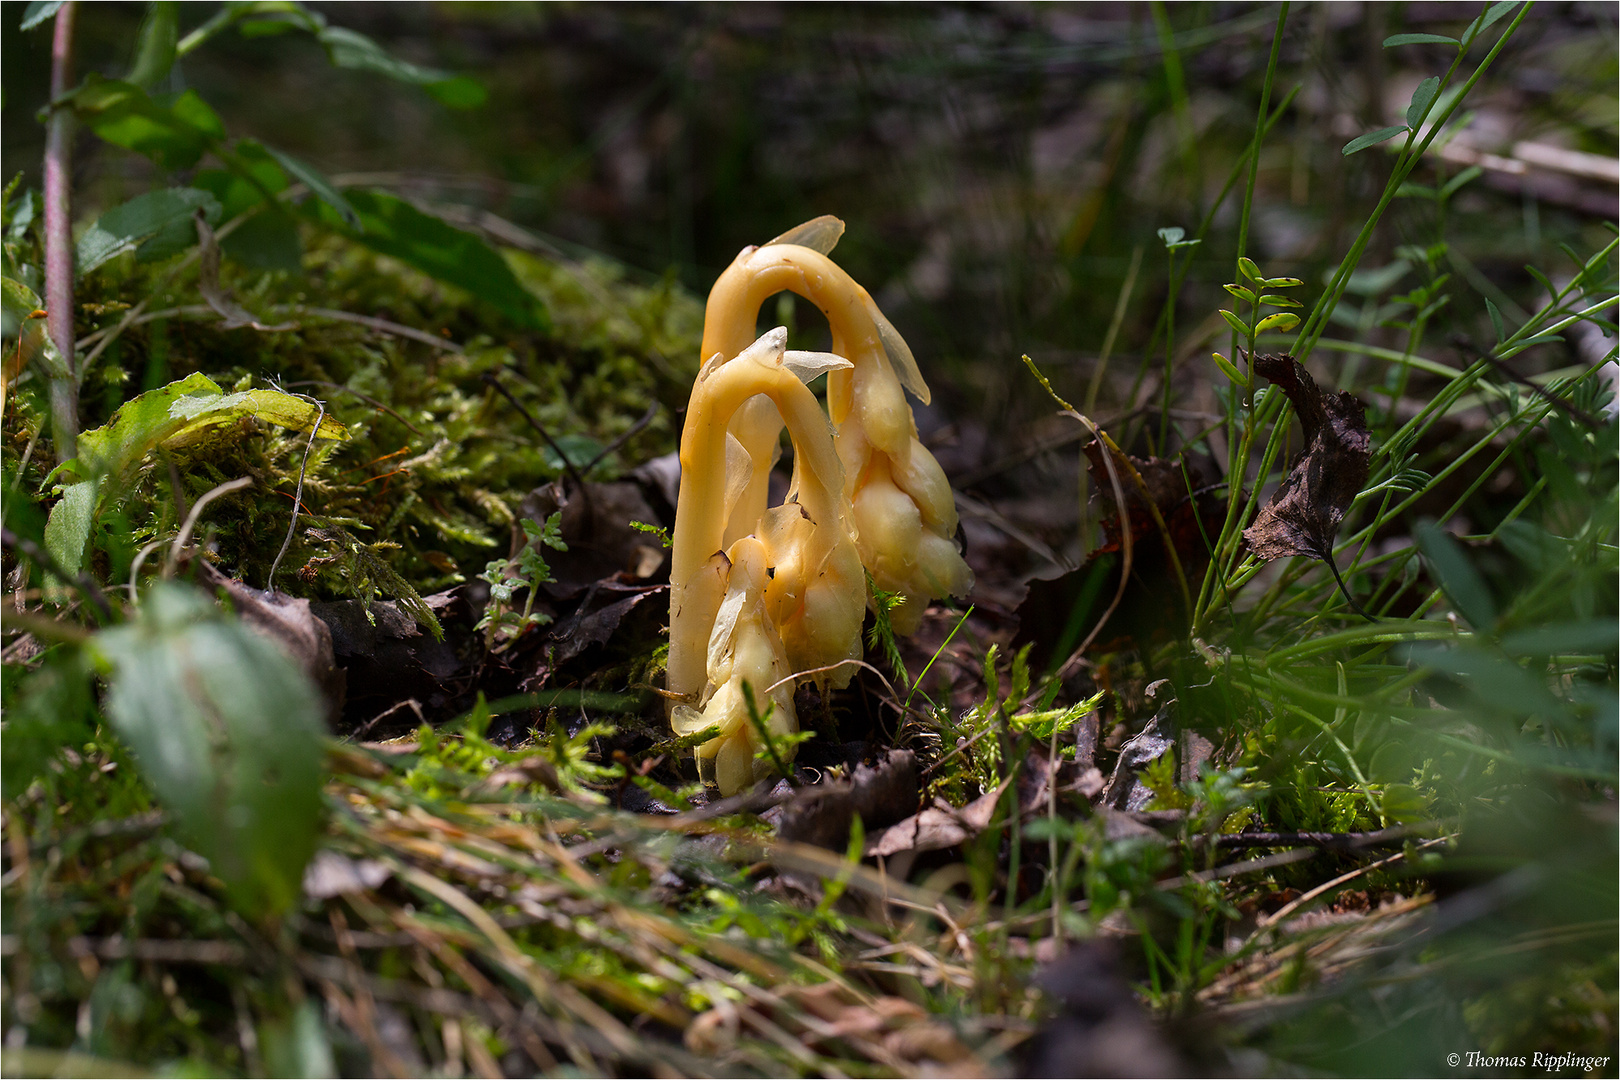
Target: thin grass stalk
point(1314, 325)
point(1405, 162)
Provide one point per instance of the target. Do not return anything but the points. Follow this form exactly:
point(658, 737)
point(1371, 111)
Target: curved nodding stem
point(907, 493)
point(859, 333)
point(697, 585)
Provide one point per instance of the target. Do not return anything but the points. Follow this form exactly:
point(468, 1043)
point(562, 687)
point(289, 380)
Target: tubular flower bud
point(811, 589)
point(912, 554)
point(744, 650)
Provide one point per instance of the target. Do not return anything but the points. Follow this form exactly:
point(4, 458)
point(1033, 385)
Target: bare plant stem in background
point(59, 241)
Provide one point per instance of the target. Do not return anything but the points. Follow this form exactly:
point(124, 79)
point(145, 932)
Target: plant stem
point(59, 241)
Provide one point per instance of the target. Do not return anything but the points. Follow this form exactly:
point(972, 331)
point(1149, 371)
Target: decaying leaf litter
point(515, 872)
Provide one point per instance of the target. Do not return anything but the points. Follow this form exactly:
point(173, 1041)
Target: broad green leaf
point(1282, 282)
point(173, 135)
point(319, 184)
point(1422, 98)
point(67, 530)
point(171, 416)
point(227, 732)
point(1457, 576)
point(38, 11)
point(1279, 300)
point(154, 48)
point(1372, 138)
point(266, 241)
point(351, 49)
point(154, 223)
point(253, 174)
point(1246, 295)
point(179, 414)
point(394, 227)
point(1496, 320)
point(1250, 269)
point(1419, 39)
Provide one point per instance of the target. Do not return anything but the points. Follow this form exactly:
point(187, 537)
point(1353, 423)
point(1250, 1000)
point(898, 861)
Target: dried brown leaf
point(1324, 478)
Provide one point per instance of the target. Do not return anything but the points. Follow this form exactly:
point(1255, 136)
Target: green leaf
point(1246, 295)
point(319, 184)
point(266, 241)
point(394, 227)
point(1250, 270)
point(1456, 183)
point(1457, 576)
point(1282, 283)
point(174, 136)
point(1235, 323)
point(171, 416)
point(1497, 11)
point(1419, 39)
point(1541, 279)
point(1230, 369)
point(156, 225)
point(1279, 300)
point(1496, 320)
point(227, 732)
point(351, 49)
point(238, 189)
point(67, 530)
point(1372, 138)
point(154, 47)
point(1282, 322)
point(38, 11)
point(1422, 98)
point(21, 216)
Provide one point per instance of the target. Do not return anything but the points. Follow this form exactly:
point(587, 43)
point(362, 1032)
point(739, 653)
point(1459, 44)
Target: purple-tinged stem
point(59, 240)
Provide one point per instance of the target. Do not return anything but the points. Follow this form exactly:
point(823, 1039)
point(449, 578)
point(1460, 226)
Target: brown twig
point(568, 466)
